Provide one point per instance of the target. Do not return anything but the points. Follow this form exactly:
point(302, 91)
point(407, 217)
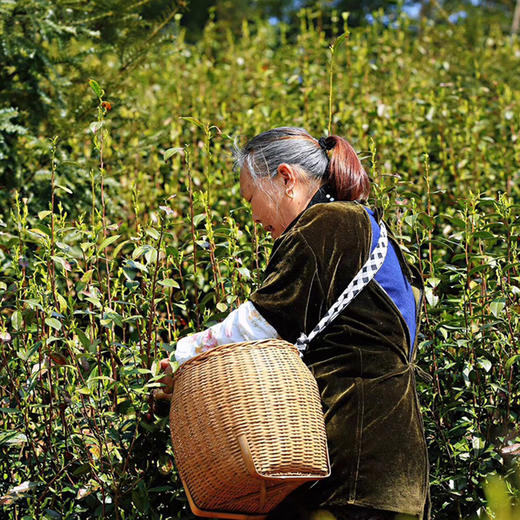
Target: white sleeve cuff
point(243, 324)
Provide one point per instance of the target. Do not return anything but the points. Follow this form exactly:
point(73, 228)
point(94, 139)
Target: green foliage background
point(127, 231)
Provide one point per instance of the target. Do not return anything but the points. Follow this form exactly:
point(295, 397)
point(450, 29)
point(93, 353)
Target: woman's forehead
point(246, 181)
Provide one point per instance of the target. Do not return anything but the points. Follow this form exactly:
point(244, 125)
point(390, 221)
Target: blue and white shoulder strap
point(362, 278)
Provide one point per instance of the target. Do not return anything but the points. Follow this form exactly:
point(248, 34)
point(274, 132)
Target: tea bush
point(48, 49)
point(94, 293)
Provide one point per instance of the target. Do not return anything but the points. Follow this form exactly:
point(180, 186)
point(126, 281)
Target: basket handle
point(250, 465)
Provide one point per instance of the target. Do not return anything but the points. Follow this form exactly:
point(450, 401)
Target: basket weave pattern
point(247, 426)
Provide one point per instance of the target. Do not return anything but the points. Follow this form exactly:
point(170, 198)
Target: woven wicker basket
point(247, 428)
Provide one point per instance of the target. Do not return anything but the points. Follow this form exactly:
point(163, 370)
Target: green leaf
point(222, 307)
point(431, 298)
point(196, 122)
point(16, 320)
point(33, 304)
point(41, 232)
point(132, 264)
point(94, 85)
point(53, 322)
point(153, 233)
point(87, 276)
point(197, 219)
point(43, 214)
point(433, 282)
point(512, 360)
point(62, 302)
point(139, 251)
point(159, 489)
point(12, 437)
point(171, 152)
point(81, 470)
point(484, 235)
point(11, 410)
point(497, 307)
point(151, 255)
point(107, 242)
point(95, 126)
point(85, 246)
point(28, 354)
point(339, 40)
point(118, 248)
point(485, 364)
point(59, 260)
point(83, 339)
point(245, 273)
point(115, 317)
point(168, 282)
point(64, 188)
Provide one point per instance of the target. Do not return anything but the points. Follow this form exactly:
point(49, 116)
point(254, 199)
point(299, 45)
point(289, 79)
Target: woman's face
point(275, 202)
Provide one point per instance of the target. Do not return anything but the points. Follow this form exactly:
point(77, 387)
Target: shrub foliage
point(125, 231)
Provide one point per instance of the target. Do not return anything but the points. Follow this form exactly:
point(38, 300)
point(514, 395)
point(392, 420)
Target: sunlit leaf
point(17, 320)
point(170, 152)
point(107, 242)
point(54, 323)
point(94, 85)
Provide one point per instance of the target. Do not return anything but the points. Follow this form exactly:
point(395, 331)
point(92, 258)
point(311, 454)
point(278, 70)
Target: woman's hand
point(166, 391)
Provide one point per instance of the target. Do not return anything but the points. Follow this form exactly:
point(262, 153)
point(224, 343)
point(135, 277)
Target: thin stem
point(331, 66)
point(151, 313)
point(194, 240)
point(50, 261)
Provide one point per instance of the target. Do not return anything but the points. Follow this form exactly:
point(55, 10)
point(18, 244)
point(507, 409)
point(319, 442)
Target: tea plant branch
point(151, 312)
point(217, 276)
point(99, 139)
point(26, 422)
point(100, 146)
point(429, 214)
point(193, 235)
point(431, 263)
point(130, 449)
point(50, 415)
point(505, 206)
point(51, 482)
point(333, 48)
point(50, 261)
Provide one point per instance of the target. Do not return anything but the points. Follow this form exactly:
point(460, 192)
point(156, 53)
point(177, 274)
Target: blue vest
point(391, 278)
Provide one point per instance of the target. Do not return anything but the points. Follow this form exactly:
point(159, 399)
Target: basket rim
point(215, 351)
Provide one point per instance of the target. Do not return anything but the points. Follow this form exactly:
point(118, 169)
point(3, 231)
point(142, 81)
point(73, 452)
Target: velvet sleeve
point(311, 266)
point(291, 289)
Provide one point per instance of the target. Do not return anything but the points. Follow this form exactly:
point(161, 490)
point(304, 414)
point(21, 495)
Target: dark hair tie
point(326, 143)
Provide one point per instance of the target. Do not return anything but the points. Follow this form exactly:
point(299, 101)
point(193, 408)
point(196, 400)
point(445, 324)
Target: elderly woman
point(309, 195)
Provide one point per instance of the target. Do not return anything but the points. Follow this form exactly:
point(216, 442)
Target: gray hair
point(343, 171)
point(287, 144)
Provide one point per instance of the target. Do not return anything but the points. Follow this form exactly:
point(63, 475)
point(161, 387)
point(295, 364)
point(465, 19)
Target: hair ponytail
point(346, 175)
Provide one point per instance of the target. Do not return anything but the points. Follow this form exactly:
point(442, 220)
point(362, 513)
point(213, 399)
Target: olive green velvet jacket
point(361, 361)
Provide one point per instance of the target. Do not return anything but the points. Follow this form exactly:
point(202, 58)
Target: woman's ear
point(288, 175)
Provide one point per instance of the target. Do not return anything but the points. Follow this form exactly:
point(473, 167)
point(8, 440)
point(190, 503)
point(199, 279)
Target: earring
point(290, 193)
